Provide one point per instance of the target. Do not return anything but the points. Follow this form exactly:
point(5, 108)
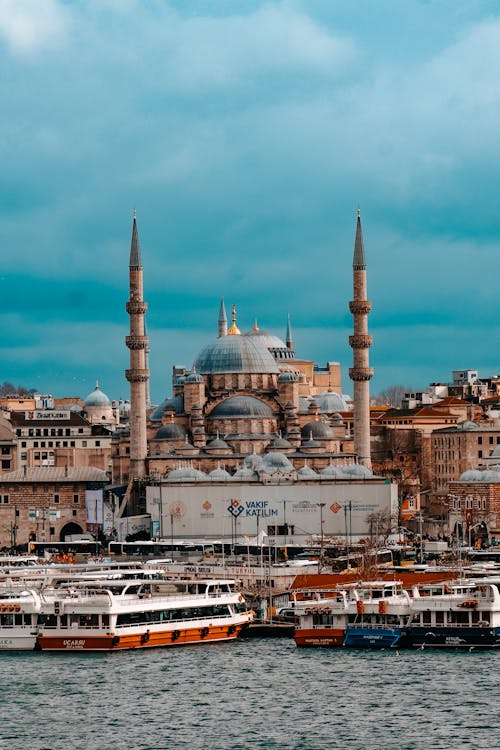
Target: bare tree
point(393, 395)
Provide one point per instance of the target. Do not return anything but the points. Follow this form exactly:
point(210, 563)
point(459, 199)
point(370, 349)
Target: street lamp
point(320, 561)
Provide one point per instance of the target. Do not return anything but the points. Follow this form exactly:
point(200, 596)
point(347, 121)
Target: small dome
point(97, 398)
point(194, 377)
point(306, 472)
point(253, 461)
point(474, 475)
point(220, 475)
point(217, 444)
point(171, 431)
point(329, 402)
point(318, 431)
point(241, 406)
point(175, 403)
point(337, 418)
point(279, 443)
point(274, 462)
point(274, 344)
point(187, 474)
point(288, 377)
point(356, 470)
point(332, 471)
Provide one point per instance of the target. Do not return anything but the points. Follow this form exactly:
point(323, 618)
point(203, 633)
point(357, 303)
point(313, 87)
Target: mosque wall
point(236, 509)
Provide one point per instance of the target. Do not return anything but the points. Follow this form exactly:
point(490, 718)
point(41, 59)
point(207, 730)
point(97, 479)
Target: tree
point(8, 389)
point(393, 395)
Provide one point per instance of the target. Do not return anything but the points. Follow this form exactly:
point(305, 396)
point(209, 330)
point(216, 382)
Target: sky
point(246, 135)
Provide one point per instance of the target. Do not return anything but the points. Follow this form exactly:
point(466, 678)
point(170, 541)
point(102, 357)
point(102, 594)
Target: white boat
point(19, 610)
point(117, 615)
point(457, 614)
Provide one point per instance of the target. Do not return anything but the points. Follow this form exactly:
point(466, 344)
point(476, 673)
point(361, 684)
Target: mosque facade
point(249, 411)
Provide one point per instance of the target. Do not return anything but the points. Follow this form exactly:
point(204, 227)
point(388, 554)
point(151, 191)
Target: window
point(5, 499)
point(56, 498)
point(5, 450)
point(71, 443)
point(480, 454)
point(5, 465)
point(480, 440)
point(84, 443)
point(76, 498)
point(24, 456)
point(97, 443)
point(23, 444)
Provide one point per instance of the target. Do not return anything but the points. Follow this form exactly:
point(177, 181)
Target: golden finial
point(234, 330)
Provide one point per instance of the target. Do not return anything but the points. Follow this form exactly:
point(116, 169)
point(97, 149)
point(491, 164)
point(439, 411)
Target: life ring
point(175, 634)
point(145, 637)
point(240, 598)
point(204, 632)
point(360, 607)
point(17, 608)
point(116, 640)
point(231, 630)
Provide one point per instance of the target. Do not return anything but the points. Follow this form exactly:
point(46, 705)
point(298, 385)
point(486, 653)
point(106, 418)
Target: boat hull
point(17, 642)
point(451, 637)
point(319, 637)
point(135, 640)
point(372, 637)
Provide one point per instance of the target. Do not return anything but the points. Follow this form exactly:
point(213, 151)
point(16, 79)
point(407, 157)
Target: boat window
point(426, 618)
point(439, 618)
point(105, 621)
point(49, 621)
point(27, 619)
point(6, 621)
point(63, 621)
point(18, 619)
point(89, 621)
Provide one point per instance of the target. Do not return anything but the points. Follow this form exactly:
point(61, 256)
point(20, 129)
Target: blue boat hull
point(366, 637)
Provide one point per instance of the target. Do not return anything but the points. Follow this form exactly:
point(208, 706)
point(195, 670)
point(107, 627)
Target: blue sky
point(246, 135)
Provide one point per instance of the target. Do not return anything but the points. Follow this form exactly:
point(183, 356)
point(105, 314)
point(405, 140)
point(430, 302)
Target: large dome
point(235, 354)
point(241, 406)
point(176, 403)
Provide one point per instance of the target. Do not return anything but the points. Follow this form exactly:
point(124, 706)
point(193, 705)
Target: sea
point(250, 695)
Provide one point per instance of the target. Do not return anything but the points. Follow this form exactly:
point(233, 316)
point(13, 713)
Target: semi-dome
point(318, 431)
point(279, 443)
point(288, 377)
point(245, 473)
point(241, 406)
point(97, 398)
point(235, 353)
point(330, 402)
point(171, 431)
point(274, 344)
point(175, 403)
point(193, 377)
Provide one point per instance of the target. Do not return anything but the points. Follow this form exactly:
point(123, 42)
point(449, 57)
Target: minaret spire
point(222, 319)
point(138, 374)
point(289, 343)
point(360, 341)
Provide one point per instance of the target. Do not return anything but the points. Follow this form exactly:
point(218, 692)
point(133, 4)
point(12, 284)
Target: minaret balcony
point(137, 376)
point(136, 307)
point(360, 341)
point(360, 306)
point(136, 342)
point(361, 374)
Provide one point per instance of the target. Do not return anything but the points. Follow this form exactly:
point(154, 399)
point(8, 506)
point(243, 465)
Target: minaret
point(138, 375)
point(222, 319)
point(289, 343)
point(360, 342)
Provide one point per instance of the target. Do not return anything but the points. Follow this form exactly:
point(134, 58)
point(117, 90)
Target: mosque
point(249, 409)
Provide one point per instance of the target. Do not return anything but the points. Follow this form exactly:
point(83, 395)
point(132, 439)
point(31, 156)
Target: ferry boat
point(363, 615)
point(382, 612)
point(460, 614)
point(322, 617)
point(112, 616)
point(19, 610)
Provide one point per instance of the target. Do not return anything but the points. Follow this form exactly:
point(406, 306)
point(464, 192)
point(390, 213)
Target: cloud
point(31, 26)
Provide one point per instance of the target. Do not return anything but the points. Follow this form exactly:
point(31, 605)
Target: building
point(246, 394)
point(49, 503)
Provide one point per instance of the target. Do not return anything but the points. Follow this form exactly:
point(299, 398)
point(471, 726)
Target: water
point(250, 695)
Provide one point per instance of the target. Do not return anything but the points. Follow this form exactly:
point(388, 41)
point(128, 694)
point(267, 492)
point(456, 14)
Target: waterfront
point(250, 695)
